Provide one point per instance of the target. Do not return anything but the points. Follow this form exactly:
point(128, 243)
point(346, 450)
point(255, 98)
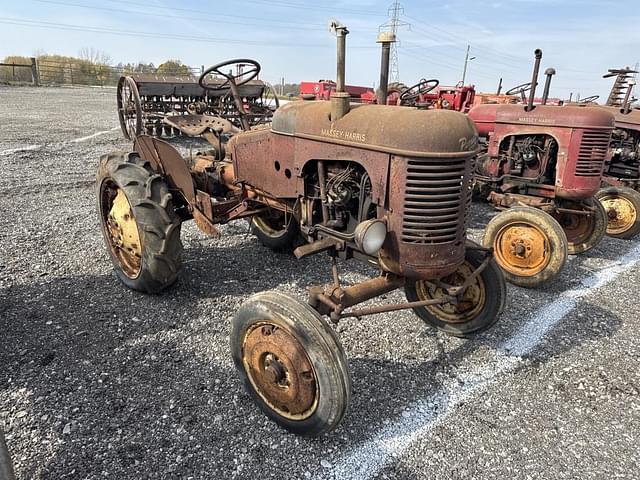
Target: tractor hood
point(397, 130)
point(486, 116)
point(629, 121)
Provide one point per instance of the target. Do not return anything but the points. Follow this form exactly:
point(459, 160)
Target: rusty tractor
point(620, 194)
point(160, 105)
point(326, 171)
point(541, 165)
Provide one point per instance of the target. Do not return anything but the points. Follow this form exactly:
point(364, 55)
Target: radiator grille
point(437, 200)
point(593, 152)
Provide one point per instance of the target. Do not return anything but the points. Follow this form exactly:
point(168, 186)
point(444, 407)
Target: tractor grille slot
point(593, 152)
point(437, 196)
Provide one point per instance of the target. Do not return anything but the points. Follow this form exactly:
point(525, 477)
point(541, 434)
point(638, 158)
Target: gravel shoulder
point(102, 382)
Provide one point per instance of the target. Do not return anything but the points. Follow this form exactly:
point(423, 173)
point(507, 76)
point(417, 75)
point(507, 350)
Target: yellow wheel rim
point(467, 308)
point(124, 238)
point(522, 249)
point(621, 214)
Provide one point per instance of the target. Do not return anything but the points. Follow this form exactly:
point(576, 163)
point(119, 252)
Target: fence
point(85, 73)
point(20, 72)
point(44, 71)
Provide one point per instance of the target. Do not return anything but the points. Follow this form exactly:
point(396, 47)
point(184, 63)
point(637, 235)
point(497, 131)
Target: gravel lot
point(102, 382)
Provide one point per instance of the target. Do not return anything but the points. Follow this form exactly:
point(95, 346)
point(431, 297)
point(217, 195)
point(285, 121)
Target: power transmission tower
point(392, 25)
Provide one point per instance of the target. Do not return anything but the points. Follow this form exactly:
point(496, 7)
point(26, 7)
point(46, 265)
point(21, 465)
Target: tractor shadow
point(136, 376)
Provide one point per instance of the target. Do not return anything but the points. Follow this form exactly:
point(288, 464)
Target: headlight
point(370, 235)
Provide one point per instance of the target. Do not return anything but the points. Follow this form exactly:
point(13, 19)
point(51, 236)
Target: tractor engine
point(625, 154)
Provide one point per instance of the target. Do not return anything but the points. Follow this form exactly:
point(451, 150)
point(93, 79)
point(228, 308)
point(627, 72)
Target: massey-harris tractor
point(356, 183)
point(620, 196)
point(542, 165)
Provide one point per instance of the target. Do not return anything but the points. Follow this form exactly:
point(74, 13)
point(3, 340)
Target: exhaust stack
point(626, 105)
point(549, 72)
point(386, 39)
point(340, 99)
point(534, 79)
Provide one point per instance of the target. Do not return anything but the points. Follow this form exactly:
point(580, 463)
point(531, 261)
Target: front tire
point(291, 363)
point(529, 245)
point(622, 206)
point(482, 302)
point(139, 225)
point(275, 230)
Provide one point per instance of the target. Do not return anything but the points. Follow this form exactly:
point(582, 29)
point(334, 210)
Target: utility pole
point(467, 59)
point(392, 25)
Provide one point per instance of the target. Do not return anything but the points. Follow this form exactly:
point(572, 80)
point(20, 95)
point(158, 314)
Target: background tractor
point(353, 181)
point(542, 165)
point(620, 195)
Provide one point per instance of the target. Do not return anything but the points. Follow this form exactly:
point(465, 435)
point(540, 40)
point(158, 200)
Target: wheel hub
point(123, 235)
point(468, 305)
point(621, 213)
point(522, 249)
point(280, 371)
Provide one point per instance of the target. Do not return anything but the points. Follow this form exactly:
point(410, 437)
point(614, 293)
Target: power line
point(288, 25)
point(270, 3)
point(161, 35)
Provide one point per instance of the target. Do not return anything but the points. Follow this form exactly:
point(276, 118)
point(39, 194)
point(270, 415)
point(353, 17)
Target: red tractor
point(542, 165)
point(620, 196)
point(353, 181)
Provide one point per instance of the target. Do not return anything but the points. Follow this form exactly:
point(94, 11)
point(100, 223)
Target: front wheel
point(622, 206)
point(583, 231)
point(275, 230)
point(529, 245)
point(291, 363)
point(480, 305)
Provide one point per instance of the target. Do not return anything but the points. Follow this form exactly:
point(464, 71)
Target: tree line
point(90, 67)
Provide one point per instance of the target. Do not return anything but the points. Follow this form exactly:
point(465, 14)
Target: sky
point(291, 38)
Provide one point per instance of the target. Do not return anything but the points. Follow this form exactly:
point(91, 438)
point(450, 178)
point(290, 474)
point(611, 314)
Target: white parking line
point(26, 148)
point(93, 135)
point(418, 421)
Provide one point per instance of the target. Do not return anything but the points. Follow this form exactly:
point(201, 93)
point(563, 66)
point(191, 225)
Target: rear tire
point(529, 245)
point(482, 303)
point(622, 207)
point(139, 225)
point(291, 363)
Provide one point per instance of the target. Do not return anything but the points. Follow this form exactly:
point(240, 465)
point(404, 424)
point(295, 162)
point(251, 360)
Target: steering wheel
point(421, 88)
point(525, 87)
point(590, 99)
point(238, 79)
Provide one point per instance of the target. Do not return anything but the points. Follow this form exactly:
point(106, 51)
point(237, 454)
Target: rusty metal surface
point(166, 160)
point(280, 370)
point(194, 125)
point(388, 129)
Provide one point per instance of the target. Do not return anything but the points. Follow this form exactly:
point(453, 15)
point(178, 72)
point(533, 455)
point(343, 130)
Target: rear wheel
point(129, 108)
point(622, 206)
point(583, 231)
point(291, 363)
point(275, 230)
point(529, 245)
point(139, 225)
point(480, 305)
